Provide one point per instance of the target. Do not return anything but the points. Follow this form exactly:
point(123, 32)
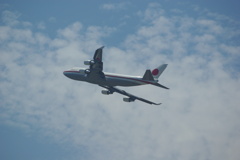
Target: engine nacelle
point(128, 99)
point(87, 71)
point(106, 92)
point(89, 62)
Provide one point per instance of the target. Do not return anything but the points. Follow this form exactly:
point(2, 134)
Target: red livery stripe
point(147, 82)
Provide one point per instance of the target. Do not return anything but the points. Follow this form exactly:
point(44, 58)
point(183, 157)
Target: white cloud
point(71, 32)
point(52, 19)
point(108, 6)
point(4, 31)
point(114, 6)
point(10, 18)
point(210, 25)
point(153, 12)
point(41, 25)
point(199, 115)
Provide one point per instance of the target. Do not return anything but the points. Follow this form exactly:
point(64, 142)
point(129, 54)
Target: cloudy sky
point(44, 115)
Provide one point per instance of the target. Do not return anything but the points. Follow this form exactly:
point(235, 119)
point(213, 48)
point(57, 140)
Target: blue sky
point(44, 115)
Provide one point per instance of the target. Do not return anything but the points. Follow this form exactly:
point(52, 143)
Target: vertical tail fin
point(148, 76)
point(158, 71)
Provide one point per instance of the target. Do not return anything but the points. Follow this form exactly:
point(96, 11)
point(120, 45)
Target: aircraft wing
point(95, 70)
point(131, 97)
point(97, 58)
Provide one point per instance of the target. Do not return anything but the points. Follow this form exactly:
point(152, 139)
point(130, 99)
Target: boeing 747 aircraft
point(95, 75)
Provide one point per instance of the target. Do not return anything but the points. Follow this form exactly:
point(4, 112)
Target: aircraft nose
point(65, 73)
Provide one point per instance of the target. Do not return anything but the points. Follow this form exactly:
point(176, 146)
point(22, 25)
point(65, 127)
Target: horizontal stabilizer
point(148, 76)
point(159, 85)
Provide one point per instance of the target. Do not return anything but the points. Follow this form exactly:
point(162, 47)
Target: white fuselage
point(110, 78)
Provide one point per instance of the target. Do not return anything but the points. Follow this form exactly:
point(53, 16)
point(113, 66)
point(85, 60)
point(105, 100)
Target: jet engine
point(128, 99)
point(106, 92)
point(87, 71)
point(89, 62)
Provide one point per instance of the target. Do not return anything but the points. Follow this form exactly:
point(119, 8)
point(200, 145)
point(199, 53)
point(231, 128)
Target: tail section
point(154, 75)
point(158, 71)
point(148, 76)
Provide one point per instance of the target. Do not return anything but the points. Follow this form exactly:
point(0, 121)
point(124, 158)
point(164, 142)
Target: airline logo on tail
point(158, 71)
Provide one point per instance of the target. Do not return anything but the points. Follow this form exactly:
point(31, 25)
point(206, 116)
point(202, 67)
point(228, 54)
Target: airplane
point(95, 75)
